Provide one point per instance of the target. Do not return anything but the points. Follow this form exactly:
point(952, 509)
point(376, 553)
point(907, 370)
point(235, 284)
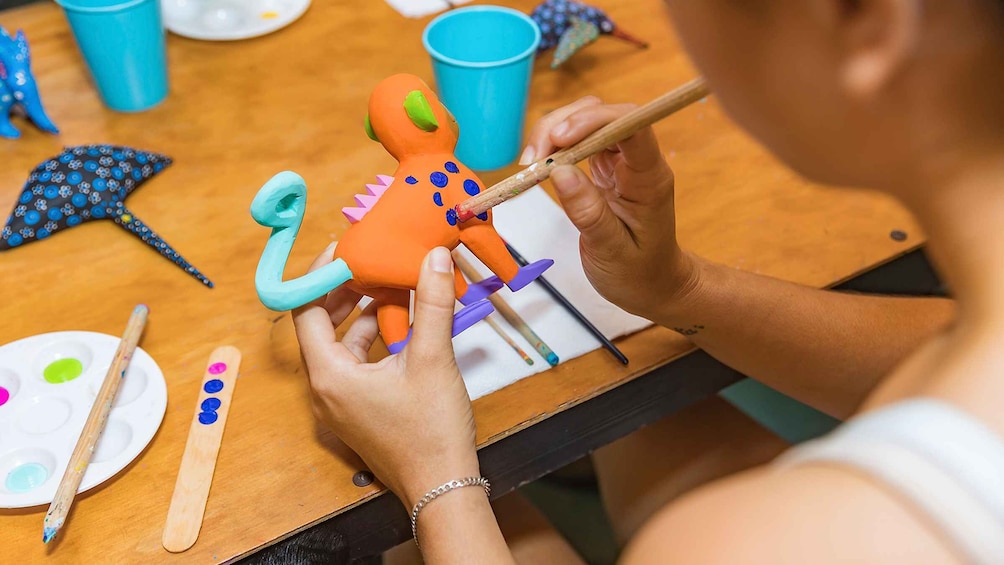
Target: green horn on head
point(420, 111)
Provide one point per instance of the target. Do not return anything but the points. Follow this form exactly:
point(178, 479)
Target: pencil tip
point(552, 359)
point(48, 534)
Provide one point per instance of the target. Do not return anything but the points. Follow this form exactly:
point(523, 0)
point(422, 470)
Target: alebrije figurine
point(570, 26)
point(396, 223)
point(84, 183)
point(17, 85)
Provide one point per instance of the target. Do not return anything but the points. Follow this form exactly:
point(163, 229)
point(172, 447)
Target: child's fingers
point(587, 208)
point(538, 143)
point(362, 333)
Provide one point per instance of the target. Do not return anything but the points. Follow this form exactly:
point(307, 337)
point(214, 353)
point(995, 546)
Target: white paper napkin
point(537, 227)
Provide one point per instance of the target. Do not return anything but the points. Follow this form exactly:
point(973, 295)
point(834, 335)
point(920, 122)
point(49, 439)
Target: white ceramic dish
point(230, 20)
point(41, 417)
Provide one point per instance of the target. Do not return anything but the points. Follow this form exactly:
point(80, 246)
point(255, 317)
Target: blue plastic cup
point(124, 45)
point(482, 58)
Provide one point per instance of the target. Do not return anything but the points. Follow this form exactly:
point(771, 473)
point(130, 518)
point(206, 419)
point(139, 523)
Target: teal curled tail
point(280, 205)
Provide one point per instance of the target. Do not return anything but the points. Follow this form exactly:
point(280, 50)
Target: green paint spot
point(369, 130)
point(419, 111)
point(24, 478)
point(63, 371)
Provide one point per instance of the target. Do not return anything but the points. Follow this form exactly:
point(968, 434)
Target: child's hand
point(408, 416)
point(625, 214)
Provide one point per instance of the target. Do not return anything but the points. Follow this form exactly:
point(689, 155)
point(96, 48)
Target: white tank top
point(946, 462)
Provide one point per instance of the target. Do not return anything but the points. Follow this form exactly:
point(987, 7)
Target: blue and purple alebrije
point(556, 18)
point(84, 183)
point(17, 85)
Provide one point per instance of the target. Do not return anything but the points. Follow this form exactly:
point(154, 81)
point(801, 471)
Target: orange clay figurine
point(398, 221)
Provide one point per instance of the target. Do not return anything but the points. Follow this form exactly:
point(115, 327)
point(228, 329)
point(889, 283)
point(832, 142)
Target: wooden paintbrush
point(610, 134)
point(95, 423)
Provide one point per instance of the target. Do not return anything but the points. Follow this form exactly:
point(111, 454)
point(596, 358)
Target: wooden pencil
point(510, 315)
point(610, 134)
point(94, 425)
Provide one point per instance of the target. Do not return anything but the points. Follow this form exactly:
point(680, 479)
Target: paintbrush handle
point(610, 134)
point(95, 423)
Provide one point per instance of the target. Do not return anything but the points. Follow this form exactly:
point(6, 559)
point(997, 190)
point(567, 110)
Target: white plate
point(40, 421)
point(229, 20)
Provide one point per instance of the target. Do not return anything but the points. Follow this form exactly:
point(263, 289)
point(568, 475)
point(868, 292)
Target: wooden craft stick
point(94, 425)
point(510, 315)
point(515, 346)
point(610, 134)
point(191, 491)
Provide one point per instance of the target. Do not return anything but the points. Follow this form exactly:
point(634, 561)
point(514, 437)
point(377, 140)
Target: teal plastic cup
point(482, 58)
point(123, 43)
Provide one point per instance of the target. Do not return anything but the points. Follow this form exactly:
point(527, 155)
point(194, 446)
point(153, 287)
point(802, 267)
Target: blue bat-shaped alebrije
point(84, 183)
point(557, 18)
point(17, 85)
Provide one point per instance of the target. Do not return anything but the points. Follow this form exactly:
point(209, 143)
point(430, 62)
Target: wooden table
point(240, 112)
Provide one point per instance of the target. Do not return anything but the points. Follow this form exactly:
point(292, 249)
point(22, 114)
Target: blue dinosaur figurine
point(17, 82)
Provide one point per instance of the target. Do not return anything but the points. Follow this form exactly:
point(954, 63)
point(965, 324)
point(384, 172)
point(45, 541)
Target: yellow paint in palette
point(269, 15)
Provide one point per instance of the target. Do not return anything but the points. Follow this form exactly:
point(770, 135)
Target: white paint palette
point(230, 20)
point(48, 383)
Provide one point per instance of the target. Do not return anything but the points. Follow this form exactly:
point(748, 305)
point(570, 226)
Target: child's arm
point(825, 348)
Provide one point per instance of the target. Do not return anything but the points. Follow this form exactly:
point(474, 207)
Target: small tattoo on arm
point(692, 330)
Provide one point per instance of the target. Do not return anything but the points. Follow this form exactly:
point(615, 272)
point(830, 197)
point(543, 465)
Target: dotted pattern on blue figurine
point(84, 183)
point(554, 17)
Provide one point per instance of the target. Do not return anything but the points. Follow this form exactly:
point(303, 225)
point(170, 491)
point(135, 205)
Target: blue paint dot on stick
point(451, 167)
point(411, 180)
point(451, 217)
point(471, 187)
point(207, 418)
point(210, 404)
point(439, 179)
point(437, 198)
point(213, 386)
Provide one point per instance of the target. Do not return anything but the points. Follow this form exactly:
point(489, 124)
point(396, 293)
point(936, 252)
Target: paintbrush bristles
point(610, 134)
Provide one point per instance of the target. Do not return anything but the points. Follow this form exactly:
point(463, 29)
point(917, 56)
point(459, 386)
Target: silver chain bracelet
point(440, 491)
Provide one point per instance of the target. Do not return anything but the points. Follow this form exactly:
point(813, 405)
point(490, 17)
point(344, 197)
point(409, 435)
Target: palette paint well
point(230, 20)
point(47, 386)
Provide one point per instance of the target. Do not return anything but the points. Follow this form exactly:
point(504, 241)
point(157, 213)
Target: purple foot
point(481, 290)
point(465, 318)
point(529, 273)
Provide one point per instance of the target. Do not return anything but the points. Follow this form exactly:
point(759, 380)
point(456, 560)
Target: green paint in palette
point(63, 370)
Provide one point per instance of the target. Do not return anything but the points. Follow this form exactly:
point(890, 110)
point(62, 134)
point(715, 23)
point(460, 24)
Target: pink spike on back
point(376, 189)
point(366, 201)
point(385, 180)
point(354, 214)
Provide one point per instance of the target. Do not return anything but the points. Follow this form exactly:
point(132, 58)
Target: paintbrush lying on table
point(610, 134)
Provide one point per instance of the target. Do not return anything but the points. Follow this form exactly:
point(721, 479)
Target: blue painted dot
point(483, 216)
point(137, 174)
point(117, 173)
point(91, 166)
point(73, 220)
point(451, 167)
point(45, 176)
point(210, 404)
point(157, 167)
point(26, 197)
point(207, 418)
point(213, 386)
point(451, 217)
point(100, 184)
point(51, 191)
point(141, 158)
point(42, 233)
point(411, 180)
point(55, 214)
point(439, 179)
point(471, 187)
point(74, 178)
point(32, 217)
point(437, 198)
point(98, 212)
point(93, 152)
point(15, 239)
point(118, 156)
point(65, 157)
point(79, 200)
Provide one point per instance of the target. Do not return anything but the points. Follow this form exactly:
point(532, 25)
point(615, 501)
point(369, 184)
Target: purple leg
point(465, 318)
point(481, 290)
point(529, 273)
